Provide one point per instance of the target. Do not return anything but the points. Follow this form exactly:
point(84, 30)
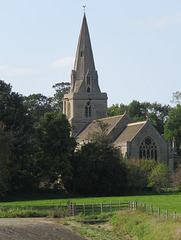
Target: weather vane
point(84, 6)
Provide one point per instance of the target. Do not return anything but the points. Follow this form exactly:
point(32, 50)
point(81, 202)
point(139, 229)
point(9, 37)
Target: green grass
point(125, 225)
point(171, 201)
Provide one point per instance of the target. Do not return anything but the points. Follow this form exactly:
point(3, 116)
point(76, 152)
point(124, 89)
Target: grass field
point(126, 225)
point(171, 201)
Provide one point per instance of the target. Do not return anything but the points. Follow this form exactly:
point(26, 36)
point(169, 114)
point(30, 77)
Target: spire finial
point(84, 6)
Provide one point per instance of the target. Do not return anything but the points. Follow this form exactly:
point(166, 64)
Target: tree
point(5, 160)
point(172, 127)
point(135, 111)
point(98, 168)
point(176, 98)
point(155, 112)
point(116, 109)
point(61, 89)
point(176, 176)
point(17, 120)
point(138, 173)
point(159, 177)
point(37, 105)
point(54, 147)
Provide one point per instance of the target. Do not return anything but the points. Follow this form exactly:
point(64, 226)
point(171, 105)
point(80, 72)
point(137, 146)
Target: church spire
point(84, 57)
point(84, 61)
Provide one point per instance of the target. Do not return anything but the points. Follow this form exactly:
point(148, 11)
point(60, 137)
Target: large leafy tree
point(6, 140)
point(54, 148)
point(172, 127)
point(98, 168)
point(155, 112)
point(17, 120)
point(57, 100)
point(176, 98)
point(37, 105)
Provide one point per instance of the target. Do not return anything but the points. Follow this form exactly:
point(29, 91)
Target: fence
point(110, 207)
point(99, 208)
point(156, 211)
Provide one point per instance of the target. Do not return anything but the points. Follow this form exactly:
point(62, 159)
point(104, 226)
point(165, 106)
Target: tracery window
point(148, 149)
point(88, 110)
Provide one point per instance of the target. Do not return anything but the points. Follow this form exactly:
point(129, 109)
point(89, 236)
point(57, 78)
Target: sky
point(136, 46)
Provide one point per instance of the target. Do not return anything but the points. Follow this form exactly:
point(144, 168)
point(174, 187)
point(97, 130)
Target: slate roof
point(111, 122)
point(130, 132)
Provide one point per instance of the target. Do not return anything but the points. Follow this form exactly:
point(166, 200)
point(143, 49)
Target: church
point(85, 105)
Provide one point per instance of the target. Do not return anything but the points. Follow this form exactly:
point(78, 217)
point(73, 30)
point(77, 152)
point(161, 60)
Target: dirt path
point(34, 229)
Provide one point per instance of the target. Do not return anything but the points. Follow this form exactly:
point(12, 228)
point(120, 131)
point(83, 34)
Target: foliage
point(17, 120)
point(155, 112)
point(116, 109)
point(138, 173)
point(37, 105)
point(60, 89)
point(98, 168)
point(172, 127)
point(176, 177)
point(5, 159)
point(176, 98)
point(54, 147)
point(159, 177)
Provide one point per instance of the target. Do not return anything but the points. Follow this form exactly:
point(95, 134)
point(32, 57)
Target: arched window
point(88, 89)
point(88, 110)
point(148, 149)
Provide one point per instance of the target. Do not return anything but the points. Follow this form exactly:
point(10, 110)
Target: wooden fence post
point(174, 215)
point(110, 207)
point(135, 205)
point(140, 207)
point(92, 207)
point(101, 207)
point(159, 212)
point(129, 204)
point(84, 208)
point(74, 209)
point(144, 206)
point(119, 206)
point(151, 210)
point(69, 209)
point(167, 214)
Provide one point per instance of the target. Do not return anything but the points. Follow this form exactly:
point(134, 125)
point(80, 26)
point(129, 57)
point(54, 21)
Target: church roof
point(111, 122)
point(130, 132)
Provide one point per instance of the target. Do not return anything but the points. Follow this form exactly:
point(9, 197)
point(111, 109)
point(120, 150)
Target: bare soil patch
point(35, 228)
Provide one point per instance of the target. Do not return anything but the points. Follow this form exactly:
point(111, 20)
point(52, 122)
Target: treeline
point(36, 150)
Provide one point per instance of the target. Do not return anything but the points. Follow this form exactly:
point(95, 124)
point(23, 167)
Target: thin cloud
point(161, 23)
point(12, 71)
point(177, 20)
point(157, 23)
point(152, 23)
point(62, 63)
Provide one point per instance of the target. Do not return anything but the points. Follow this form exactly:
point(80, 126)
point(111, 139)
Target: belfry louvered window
point(148, 149)
point(88, 110)
point(88, 79)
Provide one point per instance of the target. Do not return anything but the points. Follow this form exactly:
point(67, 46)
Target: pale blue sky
point(136, 46)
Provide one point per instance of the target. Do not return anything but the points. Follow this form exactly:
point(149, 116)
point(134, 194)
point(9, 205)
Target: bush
point(176, 177)
point(159, 177)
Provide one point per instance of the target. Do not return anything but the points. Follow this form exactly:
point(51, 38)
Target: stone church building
point(85, 105)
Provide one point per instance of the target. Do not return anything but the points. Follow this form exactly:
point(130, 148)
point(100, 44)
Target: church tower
point(85, 101)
